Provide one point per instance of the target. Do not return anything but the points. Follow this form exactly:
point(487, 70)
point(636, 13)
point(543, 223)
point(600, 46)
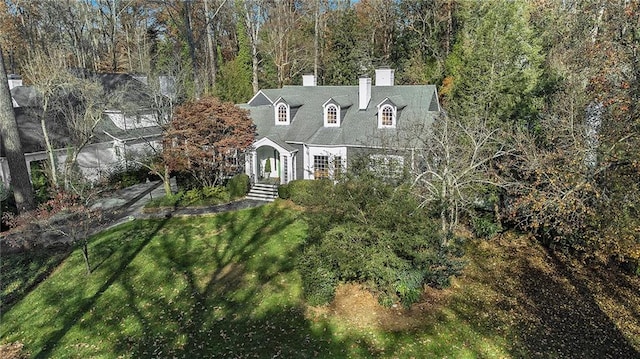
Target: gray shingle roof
point(416, 105)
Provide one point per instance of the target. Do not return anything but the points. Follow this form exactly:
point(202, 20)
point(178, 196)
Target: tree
point(74, 101)
point(365, 230)
point(494, 70)
point(455, 167)
point(65, 215)
point(207, 138)
point(578, 187)
point(345, 59)
point(235, 75)
point(20, 181)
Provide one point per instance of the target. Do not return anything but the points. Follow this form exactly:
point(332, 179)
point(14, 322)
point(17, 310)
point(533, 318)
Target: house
point(312, 132)
point(131, 126)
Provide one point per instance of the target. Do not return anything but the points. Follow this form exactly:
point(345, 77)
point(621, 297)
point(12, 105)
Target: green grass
point(214, 286)
point(225, 286)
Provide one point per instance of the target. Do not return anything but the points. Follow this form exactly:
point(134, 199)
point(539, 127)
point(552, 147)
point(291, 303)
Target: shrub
point(171, 200)
point(125, 177)
point(309, 192)
point(366, 231)
point(284, 191)
point(485, 226)
point(319, 279)
point(238, 185)
point(215, 194)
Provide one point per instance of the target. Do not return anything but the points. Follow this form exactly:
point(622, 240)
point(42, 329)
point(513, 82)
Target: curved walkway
point(131, 202)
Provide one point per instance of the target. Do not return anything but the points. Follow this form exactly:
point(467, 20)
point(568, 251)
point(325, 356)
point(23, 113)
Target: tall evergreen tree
point(345, 60)
point(495, 67)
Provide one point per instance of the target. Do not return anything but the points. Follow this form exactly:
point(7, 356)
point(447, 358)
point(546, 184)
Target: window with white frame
point(282, 114)
point(387, 116)
point(320, 167)
point(331, 115)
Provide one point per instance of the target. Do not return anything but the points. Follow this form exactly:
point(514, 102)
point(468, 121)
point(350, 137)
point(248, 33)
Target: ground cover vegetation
point(365, 230)
point(226, 285)
point(538, 136)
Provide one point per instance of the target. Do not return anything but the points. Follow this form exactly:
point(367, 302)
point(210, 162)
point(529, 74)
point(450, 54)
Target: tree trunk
point(49, 147)
point(166, 181)
point(85, 255)
point(211, 45)
point(20, 181)
point(192, 47)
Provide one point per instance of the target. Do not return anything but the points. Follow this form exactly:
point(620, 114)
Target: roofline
point(257, 93)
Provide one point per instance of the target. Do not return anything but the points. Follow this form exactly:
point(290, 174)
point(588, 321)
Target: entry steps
point(263, 192)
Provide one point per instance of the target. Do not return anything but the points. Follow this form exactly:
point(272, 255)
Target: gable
point(358, 127)
point(259, 99)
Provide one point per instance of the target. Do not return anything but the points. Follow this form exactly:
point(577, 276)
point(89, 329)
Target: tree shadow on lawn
point(22, 272)
point(72, 306)
point(199, 290)
point(564, 319)
point(542, 306)
point(235, 310)
point(241, 308)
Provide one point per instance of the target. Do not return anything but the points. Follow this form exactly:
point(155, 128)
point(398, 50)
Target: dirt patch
point(12, 351)
point(355, 305)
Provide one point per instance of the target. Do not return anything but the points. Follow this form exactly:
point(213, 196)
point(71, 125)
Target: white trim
point(311, 151)
point(326, 115)
point(394, 115)
point(256, 95)
point(265, 141)
point(276, 111)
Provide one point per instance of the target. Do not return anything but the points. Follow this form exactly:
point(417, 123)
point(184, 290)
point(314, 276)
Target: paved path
point(131, 202)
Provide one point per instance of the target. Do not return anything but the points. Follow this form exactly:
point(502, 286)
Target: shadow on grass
point(567, 321)
point(228, 302)
point(543, 306)
point(21, 272)
point(73, 310)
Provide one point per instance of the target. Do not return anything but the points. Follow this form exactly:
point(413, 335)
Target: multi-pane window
point(282, 113)
point(320, 167)
point(285, 164)
point(387, 116)
point(337, 167)
point(332, 115)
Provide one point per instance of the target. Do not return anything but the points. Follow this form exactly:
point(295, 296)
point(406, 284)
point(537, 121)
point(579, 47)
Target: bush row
point(366, 231)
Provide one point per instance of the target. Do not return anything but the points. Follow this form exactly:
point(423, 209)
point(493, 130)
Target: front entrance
point(270, 163)
point(270, 166)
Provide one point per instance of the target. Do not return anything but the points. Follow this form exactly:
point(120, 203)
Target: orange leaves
point(206, 137)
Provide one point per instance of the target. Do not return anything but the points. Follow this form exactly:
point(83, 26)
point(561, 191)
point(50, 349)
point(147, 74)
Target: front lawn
point(225, 286)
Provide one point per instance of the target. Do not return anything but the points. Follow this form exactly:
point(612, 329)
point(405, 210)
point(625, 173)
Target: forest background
point(555, 83)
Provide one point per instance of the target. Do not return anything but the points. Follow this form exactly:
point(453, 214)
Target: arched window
point(332, 115)
point(387, 117)
point(282, 113)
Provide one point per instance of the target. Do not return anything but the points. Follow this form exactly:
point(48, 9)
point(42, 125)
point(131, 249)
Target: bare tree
point(454, 164)
point(74, 101)
point(254, 16)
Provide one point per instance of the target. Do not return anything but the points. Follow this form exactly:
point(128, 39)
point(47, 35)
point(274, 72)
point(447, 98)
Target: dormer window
point(387, 116)
point(282, 114)
point(331, 113)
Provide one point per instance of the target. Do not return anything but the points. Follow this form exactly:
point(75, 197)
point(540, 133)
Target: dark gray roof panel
point(358, 127)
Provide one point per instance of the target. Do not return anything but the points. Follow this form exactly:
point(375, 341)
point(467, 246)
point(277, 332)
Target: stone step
point(263, 192)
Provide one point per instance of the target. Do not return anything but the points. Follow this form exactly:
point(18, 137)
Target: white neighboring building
point(131, 130)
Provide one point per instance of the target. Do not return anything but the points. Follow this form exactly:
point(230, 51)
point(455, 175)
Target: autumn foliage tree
point(206, 140)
